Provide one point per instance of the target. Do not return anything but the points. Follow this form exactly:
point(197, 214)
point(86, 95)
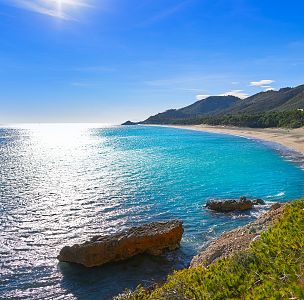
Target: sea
point(61, 184)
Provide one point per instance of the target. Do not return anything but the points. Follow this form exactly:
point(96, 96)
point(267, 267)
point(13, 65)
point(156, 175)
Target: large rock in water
point(233, 205)
point(153, 238)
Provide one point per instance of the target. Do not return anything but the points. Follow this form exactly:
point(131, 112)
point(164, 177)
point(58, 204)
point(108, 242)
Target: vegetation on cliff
point(272, 268)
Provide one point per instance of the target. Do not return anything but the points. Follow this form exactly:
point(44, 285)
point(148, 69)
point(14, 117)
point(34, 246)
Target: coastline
point(292, 139)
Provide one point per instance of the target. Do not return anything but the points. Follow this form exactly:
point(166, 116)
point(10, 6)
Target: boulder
point(258, 202)
point(230, 205)
point(153, 238)
point(276, 206)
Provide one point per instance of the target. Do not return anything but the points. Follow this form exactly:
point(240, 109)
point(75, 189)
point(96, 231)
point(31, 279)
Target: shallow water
point(61, 184)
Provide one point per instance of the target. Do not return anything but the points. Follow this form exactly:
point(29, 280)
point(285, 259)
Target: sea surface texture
point(62, 184)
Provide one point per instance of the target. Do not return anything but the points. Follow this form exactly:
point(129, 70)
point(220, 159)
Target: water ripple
point(61, 184)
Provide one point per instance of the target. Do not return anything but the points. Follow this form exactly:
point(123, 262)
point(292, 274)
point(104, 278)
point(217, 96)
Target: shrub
point(273, 268)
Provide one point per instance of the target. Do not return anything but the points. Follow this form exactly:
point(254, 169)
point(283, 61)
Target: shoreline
point(292, 139)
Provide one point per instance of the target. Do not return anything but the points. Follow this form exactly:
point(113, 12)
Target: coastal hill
point(209, 106)
point(285, 99)
point(282, 108)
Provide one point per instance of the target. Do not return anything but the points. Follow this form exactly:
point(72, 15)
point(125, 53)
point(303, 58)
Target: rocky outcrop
point(238, 239)
point(233, 205)
point(129, 123)
point(153, 238)
point(258, 202)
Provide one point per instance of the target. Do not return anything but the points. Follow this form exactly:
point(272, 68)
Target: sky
point(109, 61)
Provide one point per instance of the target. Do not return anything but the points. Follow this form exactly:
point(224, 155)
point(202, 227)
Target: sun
point(60, 6)
point(67, 10)
point(70, 2)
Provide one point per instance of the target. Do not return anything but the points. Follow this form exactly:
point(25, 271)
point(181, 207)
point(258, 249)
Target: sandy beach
point(291, 138)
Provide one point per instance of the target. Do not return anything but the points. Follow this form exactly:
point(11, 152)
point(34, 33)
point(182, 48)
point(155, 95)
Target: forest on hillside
point(287, 119)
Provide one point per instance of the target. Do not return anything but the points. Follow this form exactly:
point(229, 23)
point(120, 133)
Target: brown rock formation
point(153, 238)
point(238, 239)
point(233, 205)
point(258, 202)
point(229, 205)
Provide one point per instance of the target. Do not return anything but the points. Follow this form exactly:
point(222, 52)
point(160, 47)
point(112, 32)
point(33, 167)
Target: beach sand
point(291, 138)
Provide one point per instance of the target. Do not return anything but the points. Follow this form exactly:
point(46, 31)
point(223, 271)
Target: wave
point(280, 194)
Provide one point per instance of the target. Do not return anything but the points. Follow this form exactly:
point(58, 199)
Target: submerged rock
point(153, 238)
point(238, 239)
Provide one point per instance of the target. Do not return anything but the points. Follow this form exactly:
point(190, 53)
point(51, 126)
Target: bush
point(273, 268)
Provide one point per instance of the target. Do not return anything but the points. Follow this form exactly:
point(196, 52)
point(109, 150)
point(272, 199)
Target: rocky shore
point(238, 239)
point(271, 268)
point(158, 237)
point(153, 238)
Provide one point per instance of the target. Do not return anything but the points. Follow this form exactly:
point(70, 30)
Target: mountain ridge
point(285, 99)
point(210, 106)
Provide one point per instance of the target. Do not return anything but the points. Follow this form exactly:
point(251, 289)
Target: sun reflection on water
point(64, 135)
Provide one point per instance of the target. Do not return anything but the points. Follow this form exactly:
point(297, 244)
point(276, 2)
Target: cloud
point(202, 97)
point(267, 88)
point(236, 93)
point(49, 7)
point(261, 82)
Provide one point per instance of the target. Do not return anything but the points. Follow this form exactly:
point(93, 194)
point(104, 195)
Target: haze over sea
point(62, 184)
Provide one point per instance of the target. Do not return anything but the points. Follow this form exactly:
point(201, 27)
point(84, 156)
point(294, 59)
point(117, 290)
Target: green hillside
point(209, 106)
point(266, 109)
point(284, 99)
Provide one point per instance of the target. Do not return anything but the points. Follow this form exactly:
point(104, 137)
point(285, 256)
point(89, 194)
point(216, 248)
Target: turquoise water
point(61, 184)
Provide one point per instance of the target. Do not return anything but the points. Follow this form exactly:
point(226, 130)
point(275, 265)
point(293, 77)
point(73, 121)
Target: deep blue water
point(62, 184)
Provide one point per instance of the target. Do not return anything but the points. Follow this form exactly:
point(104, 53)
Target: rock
point(153, 238)
point(229, 205)
point(128, 123)
point(258, 202)
point(236, 240)
point(275, 206)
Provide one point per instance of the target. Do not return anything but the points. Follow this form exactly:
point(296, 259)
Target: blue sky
point(112, 60)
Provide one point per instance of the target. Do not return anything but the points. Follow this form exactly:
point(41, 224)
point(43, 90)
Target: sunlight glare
point(61, 6)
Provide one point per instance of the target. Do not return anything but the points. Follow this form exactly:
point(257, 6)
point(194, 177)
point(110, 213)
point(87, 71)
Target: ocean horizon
point(64, 183)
